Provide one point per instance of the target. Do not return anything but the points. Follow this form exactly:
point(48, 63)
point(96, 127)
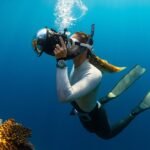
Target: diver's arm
point(68, 93)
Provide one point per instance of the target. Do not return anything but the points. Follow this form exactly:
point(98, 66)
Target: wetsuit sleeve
point(68, 92)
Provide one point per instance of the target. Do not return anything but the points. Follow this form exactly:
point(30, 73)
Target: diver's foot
point(144, 105)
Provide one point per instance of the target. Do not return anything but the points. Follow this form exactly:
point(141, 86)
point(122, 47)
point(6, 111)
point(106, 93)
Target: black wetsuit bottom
point(99, 123)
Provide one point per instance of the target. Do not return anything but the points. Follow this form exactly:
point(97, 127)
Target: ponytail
point(102, 64)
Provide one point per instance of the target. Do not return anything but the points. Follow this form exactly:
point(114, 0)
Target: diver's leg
point(98, 124)
point(101, 124)
point(142, 106)
point(105, 100)
point(118, 127)
point(103, 128)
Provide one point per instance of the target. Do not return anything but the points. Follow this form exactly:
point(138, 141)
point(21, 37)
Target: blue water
point(27, 83)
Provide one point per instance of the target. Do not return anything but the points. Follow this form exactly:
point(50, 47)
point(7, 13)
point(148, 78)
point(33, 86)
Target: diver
point(80, 89)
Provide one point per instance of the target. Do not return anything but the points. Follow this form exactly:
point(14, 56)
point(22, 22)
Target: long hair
point(98, 62)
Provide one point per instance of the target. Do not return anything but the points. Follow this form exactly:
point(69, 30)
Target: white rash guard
point(82, 86)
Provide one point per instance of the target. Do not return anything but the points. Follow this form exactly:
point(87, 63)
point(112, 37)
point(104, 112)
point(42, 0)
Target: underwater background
point(27, 82)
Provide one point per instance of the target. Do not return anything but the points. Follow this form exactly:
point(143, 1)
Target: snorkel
point(90, 40)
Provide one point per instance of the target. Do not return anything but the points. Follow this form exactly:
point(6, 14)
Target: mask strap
point(76, 42)
point(90, 47)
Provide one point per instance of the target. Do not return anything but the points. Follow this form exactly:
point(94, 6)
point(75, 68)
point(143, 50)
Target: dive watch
point(61, 64)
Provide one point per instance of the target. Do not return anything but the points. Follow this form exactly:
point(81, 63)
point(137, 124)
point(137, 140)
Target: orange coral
point(12, 135)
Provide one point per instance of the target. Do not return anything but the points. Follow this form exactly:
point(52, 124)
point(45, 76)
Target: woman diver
point(81, 88)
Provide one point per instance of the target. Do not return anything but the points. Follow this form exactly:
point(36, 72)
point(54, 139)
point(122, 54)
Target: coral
point(12, 135)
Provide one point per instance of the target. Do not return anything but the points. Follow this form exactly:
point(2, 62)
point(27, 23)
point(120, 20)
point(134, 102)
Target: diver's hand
point(60, 51)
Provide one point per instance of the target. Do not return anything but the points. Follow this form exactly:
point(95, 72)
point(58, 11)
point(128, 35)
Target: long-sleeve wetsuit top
point(82, 86)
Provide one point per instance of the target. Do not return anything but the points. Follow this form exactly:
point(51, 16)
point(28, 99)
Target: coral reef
point(14, 136)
